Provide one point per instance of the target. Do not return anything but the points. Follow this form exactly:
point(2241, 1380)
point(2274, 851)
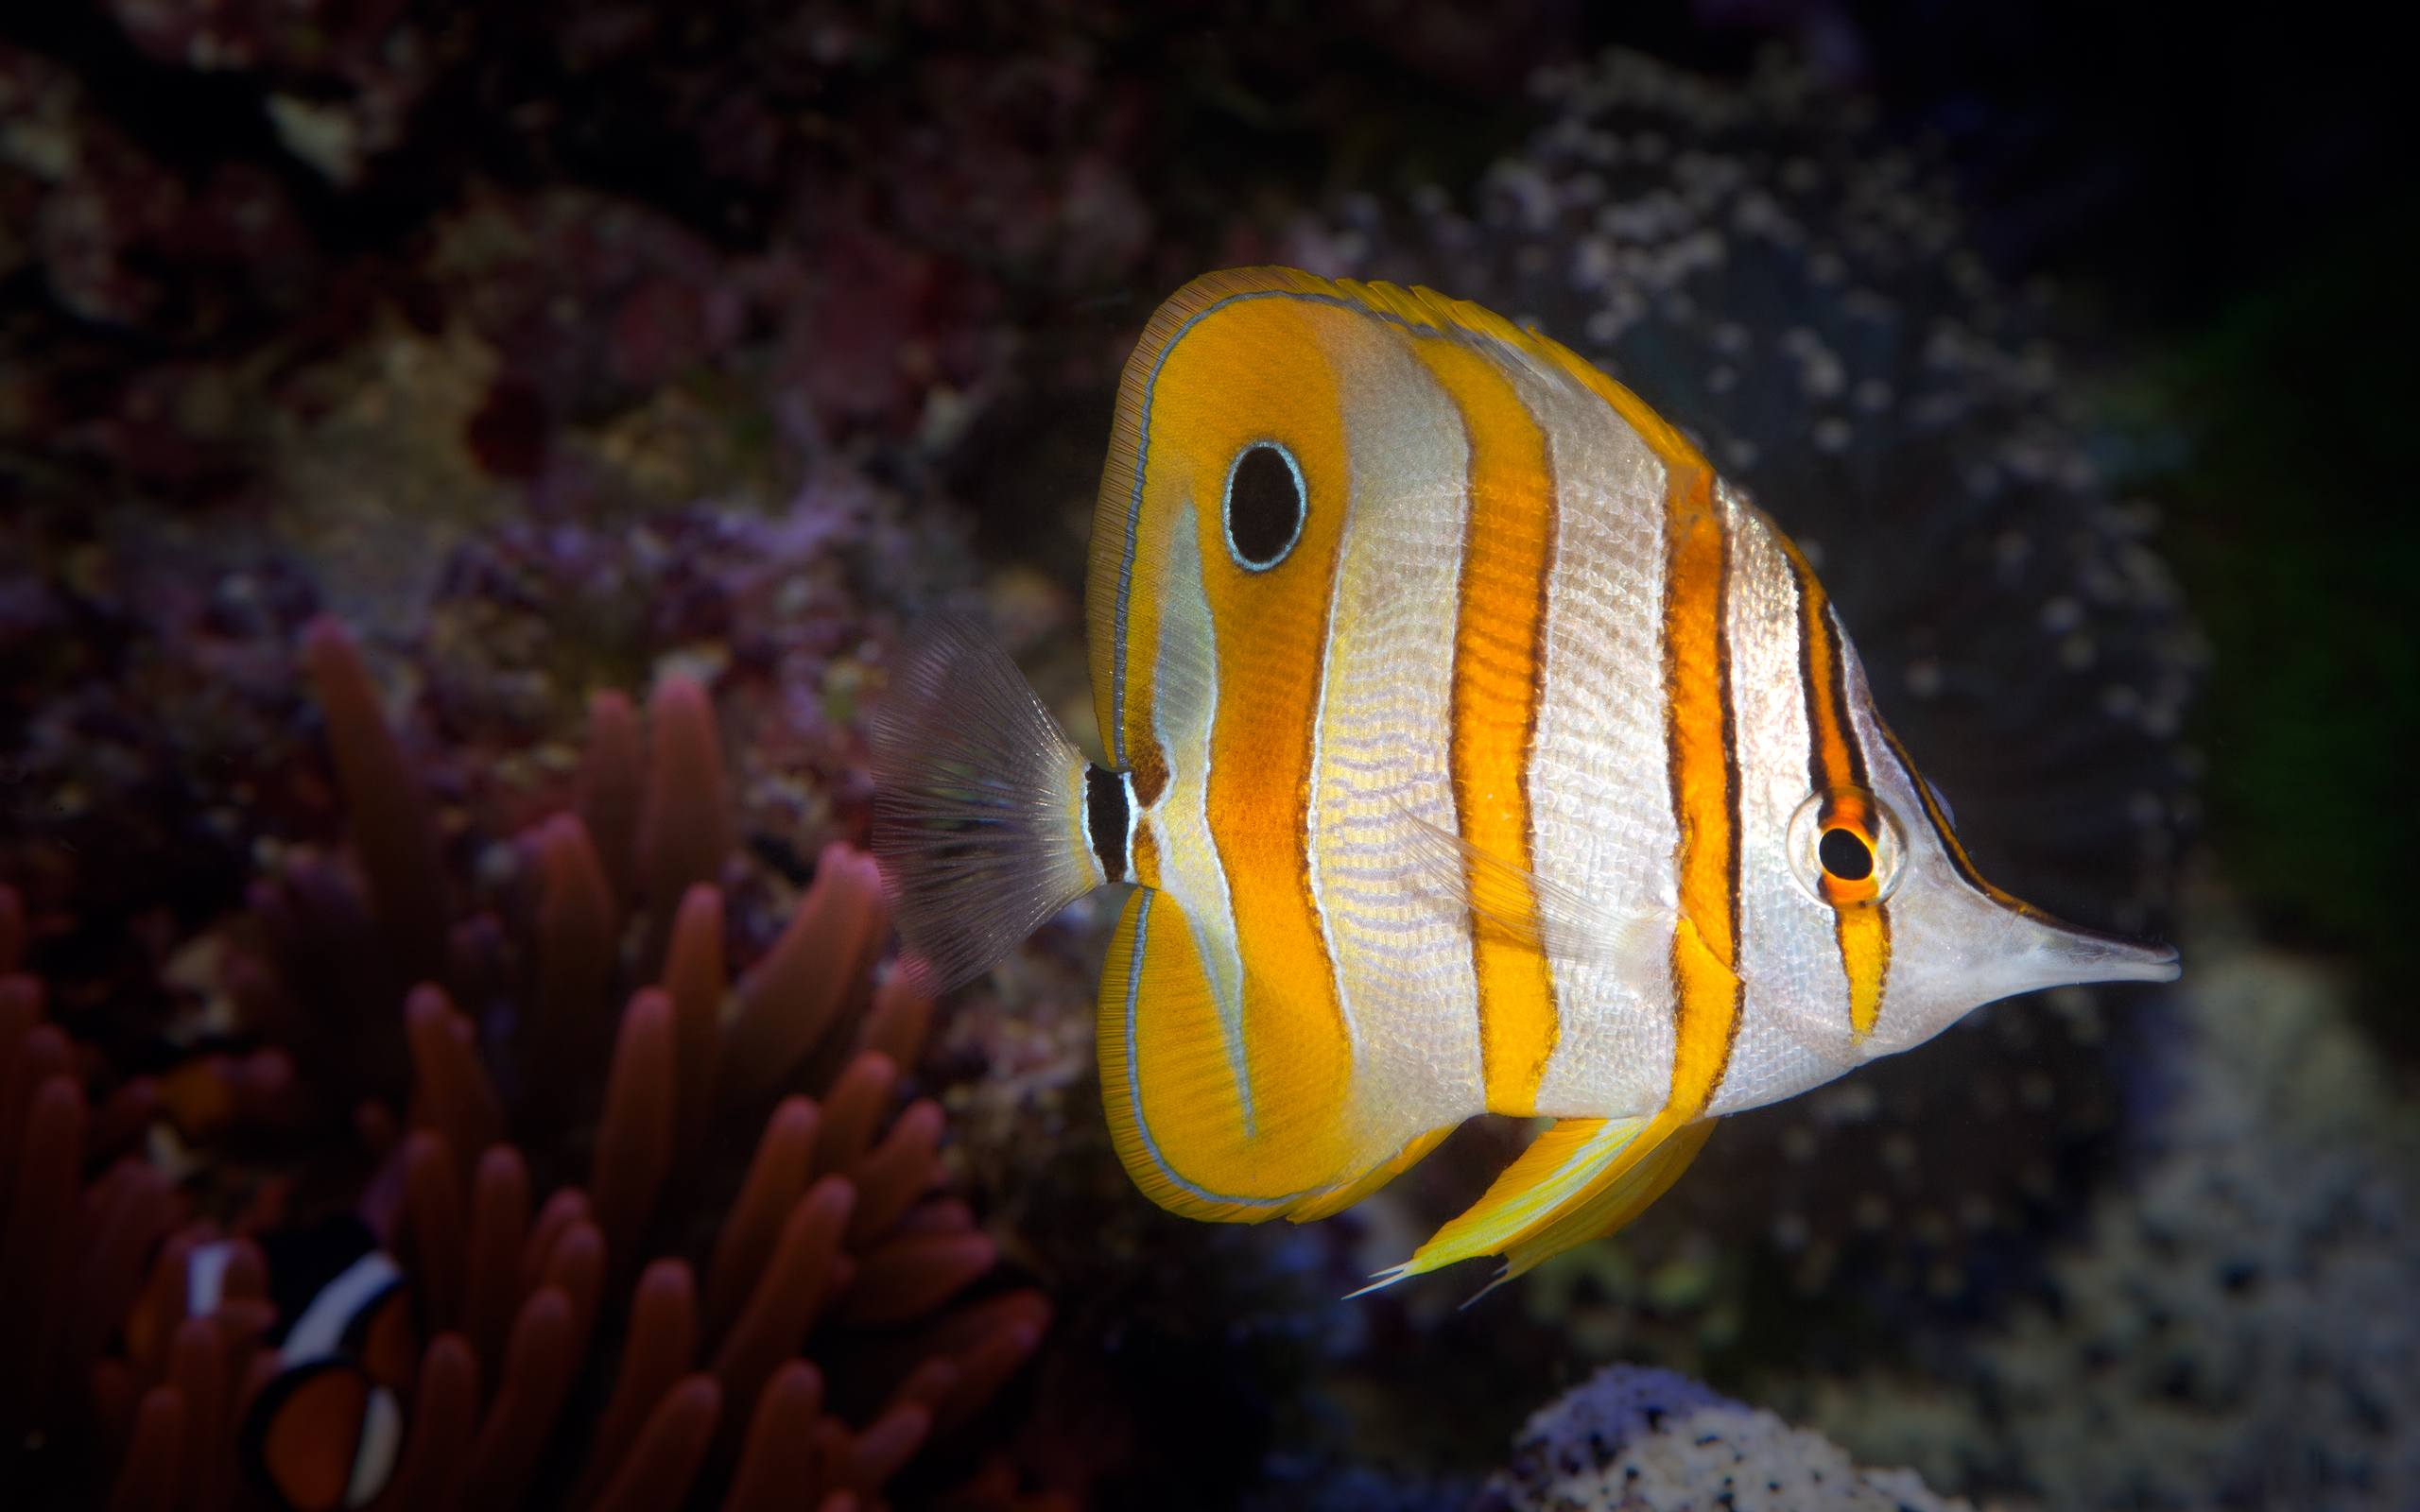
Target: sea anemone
point(619, 1232)
point(828, 1221)
point(76, 1250)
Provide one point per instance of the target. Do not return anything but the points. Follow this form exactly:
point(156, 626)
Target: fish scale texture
point(1630, 1439)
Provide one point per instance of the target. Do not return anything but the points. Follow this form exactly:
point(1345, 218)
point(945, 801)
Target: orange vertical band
point(1706, 788)
point(1499, 668)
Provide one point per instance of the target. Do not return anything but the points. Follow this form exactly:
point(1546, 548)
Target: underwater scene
point(1053, 757)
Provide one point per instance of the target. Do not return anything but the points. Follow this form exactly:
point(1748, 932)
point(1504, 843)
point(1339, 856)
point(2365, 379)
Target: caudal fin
point(979, 814)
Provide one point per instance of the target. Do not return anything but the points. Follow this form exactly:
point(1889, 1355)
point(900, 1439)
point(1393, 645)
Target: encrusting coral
point(615, 1271)
point(1637, 1440)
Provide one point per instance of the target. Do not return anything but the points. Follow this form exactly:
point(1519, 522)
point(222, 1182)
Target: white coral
point(1630, 1439)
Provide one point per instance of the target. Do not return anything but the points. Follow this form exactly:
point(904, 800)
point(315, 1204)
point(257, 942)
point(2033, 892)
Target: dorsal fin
point(1425, 309)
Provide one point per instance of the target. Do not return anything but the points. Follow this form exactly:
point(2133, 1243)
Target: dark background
point(2221, 200)
point(2219, 194)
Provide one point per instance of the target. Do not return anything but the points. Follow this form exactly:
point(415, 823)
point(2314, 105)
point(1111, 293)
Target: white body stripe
point(321, 1327)
point(1184, 716)
point(1401, 943)
point(206, 1276)
point(1358, 1094)
point(1793, 1027)
point(382, 1443)
point(1599, 766)
point(1134, 819)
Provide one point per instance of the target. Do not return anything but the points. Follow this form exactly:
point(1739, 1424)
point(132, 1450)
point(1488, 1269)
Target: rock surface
point(1630, 1439)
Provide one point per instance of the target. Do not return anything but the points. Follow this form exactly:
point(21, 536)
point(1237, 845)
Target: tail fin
point(979, 817)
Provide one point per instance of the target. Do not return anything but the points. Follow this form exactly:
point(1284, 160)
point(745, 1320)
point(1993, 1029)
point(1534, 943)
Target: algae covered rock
point(2232, 1324)
point(1630, 1439)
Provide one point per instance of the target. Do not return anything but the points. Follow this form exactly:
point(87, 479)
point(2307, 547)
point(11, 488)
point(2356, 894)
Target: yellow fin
point(1207, 1126)
point(1422, 308)
point(1582, 1179)
point(1612, 1205)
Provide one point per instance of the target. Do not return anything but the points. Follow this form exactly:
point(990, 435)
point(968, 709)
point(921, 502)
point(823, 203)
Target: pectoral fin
point(1581, 1179)
point(1558, 922)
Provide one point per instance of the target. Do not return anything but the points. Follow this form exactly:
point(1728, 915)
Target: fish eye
point(1844, 848)
point(1265, 505)
point(1845, 855)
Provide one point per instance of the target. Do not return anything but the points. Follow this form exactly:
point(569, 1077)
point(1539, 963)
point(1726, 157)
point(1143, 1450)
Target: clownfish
point(1473, 748)
point(325, 1432)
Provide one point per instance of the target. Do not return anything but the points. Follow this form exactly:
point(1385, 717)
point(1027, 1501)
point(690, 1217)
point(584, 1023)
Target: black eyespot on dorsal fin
point(1265, 506)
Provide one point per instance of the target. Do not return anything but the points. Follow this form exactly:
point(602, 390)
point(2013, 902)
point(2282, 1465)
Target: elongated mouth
point(2106, 958)
point(2052, 952)
point(2045, 952)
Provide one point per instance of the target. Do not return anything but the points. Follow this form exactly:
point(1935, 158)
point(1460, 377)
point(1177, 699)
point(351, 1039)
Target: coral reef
point(125, 243)
point(152, 728)
point(1638, 1440)
point(2232, 1327)
point(855, 209)
point(786, 616)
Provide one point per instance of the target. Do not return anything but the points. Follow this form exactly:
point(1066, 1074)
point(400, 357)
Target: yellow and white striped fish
point(1474, 749)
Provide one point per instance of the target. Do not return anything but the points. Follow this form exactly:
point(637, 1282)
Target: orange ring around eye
point(1848, 811)
point(1859, 815)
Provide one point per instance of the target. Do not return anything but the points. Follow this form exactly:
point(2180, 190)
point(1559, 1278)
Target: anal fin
point(1214, 1112)
point(1581, 1179)
point(1614, 1202)
point(1343, 1198)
